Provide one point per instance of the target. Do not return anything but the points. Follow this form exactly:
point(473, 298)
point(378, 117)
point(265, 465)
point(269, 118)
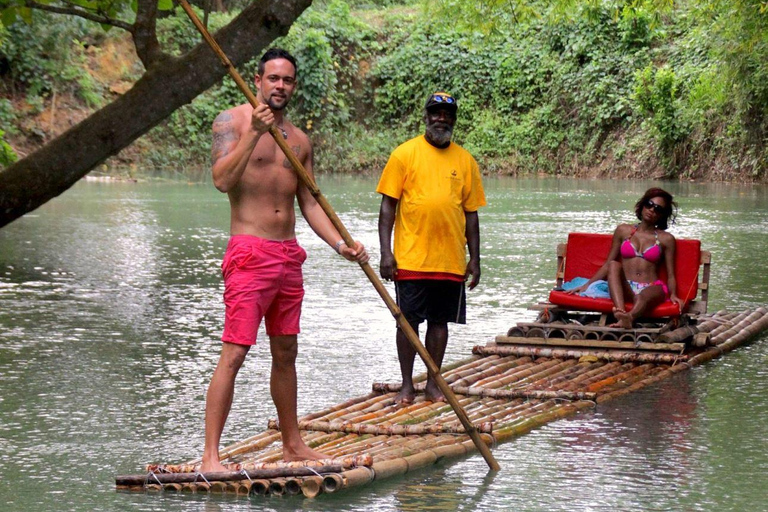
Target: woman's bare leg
point(646, 300)
point(618, 285)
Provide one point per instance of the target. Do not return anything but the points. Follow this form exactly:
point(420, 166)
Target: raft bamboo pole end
point(292, 486)
point(218, 487)
point(277, 487)
point(312, 486)
point(259, 487)
point(332, 483)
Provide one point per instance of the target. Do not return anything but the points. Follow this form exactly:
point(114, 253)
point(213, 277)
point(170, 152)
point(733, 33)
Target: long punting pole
point(326, 206)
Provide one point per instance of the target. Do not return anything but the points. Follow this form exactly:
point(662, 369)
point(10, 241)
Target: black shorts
point(433, 300)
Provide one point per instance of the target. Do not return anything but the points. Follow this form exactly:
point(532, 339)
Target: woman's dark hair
point(277, 53)
point(670, 211)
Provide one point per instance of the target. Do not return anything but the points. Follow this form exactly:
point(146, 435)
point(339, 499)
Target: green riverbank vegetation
point(619, 89)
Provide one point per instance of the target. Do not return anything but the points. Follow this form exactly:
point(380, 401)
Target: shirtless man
point(262, 265)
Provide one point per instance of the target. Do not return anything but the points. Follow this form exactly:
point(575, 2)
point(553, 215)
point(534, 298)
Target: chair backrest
point(586, 253)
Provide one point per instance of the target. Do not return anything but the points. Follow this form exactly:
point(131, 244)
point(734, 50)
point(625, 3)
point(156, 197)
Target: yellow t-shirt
point(434, 188)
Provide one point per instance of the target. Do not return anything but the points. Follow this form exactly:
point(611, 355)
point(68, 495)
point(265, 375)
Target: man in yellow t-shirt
point(431, 191)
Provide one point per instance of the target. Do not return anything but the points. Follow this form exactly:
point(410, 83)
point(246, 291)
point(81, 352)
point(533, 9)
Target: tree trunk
point(166, 86)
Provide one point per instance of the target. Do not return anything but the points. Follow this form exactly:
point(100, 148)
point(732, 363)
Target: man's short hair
point(277, 53)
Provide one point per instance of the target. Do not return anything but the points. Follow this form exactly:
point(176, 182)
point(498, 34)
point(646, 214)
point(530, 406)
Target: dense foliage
point(626, 87)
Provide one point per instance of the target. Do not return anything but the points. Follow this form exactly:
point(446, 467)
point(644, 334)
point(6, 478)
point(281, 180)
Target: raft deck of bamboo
point(506, 390)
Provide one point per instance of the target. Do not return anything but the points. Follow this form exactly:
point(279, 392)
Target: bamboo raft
point(507, 388)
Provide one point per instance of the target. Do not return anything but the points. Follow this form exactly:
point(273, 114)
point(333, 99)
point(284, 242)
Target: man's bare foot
point(433, 393)
point(213, 466)
point(624, 320)
point(303, 452)
point(406, 396)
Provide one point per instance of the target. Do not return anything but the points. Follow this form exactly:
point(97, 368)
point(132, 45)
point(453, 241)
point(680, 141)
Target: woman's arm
point(613, 255)
point(668, 242)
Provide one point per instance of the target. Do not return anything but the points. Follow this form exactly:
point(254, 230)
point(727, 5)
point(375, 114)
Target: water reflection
point(110, 314)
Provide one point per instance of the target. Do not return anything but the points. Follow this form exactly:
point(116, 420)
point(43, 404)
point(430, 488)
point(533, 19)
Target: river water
point(110, 313)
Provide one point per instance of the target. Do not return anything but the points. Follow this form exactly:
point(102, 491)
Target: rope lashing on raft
point(198, 474)
point(152, 474)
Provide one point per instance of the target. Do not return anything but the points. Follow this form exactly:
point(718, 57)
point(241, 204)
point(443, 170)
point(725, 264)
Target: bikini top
point(652, 253)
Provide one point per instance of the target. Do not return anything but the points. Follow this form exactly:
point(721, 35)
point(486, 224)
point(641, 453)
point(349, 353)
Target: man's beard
point(439, 134)
point(277, 103)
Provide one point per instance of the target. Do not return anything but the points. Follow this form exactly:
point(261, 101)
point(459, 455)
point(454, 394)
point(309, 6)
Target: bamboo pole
point(259, 487)
point(606, 355)
point(543, 418)
point(391, 430)
point(534, 394)
point(242, 488)
point(595, 368)
point(546, 370)
point(588, 328)
point(293, 486)
point(598, 375)
point(517, 331)
point(504, 367)
point(729, 324)
point(607, 340)
point(223, 476)
point(332, 483)
point(218, 487)
point(312, 486)
point(510, 363)
point(556, 333)
point(550, 381)
point(335, 408)
point(678, 335)
point(618, 378)
point(276, 487)
point(358, 476)
point(361, 459)
point(745, 320)
point(308, 182)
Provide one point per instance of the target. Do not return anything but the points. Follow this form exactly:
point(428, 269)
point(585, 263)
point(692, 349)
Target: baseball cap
point(442, 99)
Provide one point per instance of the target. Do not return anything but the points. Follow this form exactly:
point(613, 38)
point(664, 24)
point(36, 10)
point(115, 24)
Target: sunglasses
point(439, 98)
point(657, 208)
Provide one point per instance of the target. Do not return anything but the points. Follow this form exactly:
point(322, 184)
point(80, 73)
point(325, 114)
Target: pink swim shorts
point(262, 279)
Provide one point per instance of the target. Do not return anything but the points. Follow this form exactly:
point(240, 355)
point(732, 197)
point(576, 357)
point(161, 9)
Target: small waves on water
point(110, 315)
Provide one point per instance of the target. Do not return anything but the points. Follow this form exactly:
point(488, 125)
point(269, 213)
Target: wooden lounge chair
point(581, 319)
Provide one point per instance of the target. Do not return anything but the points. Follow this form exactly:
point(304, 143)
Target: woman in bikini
point(638, 250)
